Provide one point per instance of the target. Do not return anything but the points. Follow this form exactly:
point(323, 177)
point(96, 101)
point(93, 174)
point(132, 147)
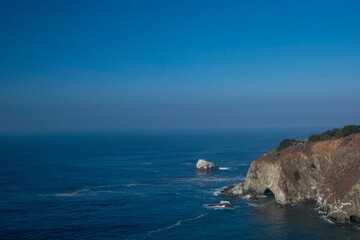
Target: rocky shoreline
point(326, 173)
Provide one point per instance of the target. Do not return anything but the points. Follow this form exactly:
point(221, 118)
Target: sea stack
point(204, 165)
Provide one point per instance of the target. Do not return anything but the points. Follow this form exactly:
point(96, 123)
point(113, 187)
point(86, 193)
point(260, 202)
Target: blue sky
point(124, 65)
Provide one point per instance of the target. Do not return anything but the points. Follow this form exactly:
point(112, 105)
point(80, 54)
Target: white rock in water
point(222, 203)
point(205, 165)
point(225, 204)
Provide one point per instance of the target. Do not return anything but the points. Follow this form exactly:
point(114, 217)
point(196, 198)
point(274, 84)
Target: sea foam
point(178, 223)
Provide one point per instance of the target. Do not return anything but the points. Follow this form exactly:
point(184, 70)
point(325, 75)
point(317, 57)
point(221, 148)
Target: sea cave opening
point(354, 219)
point(268, 192)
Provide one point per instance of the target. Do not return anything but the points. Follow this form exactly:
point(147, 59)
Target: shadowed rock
point(338, 217)
point(233, 190)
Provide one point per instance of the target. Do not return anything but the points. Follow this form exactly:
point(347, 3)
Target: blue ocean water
point(143, 186)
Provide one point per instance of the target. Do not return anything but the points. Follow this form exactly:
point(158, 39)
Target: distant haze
point(129, 65)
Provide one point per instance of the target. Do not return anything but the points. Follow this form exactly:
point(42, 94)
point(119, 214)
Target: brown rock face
point(326, 172)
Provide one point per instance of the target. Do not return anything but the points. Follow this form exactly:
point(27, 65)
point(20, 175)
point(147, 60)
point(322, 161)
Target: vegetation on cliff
point(335, 133)
point(327, 135)
point(284, 144)
point(323, 172)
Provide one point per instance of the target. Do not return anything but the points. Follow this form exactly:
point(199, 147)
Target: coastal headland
point(324, 169)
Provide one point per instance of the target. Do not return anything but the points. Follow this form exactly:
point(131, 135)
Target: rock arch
point(354, 218)
point(268, 192)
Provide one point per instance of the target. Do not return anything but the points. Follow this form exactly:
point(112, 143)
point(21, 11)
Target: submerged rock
point(222, 203)
point(252, 197)
point(205, 165)
point(354, 219)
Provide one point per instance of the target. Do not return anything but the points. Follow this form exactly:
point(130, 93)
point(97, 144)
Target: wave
point(261, 196)
point(317, 209)
point(178, 223)
point(95, 190)
point(104, 186)
point(321, 212)
point(226, 168)
point(146, 163)
point(208, 179)
point(219, 207)
point(136, 184)
point(144, 183)
point(88, 191)
point(217, 191)
point(85, 193)
point(80, 193)
point(256, 205)
point(247, 197)
point(216, 207)
point(188, 195)
point(77, 193)
point(324, 218)
point(243, 165)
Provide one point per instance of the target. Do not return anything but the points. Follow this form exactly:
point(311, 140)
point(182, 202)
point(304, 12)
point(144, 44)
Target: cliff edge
point(326, 172)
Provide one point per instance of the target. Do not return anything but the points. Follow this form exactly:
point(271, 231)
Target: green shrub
point(284, 144)
point(335, 133)
point(350, 129)
point(297, 175)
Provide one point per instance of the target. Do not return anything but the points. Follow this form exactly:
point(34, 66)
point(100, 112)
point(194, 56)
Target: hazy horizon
point(139, 65)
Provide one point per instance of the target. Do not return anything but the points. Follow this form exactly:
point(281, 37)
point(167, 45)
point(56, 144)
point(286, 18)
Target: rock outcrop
point(205, 165)
point(338, 216)
point(222, 203)
point(233, 190)
point(325, 172)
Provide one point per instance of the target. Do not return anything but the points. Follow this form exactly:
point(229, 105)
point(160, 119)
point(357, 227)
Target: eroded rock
point(338, 217)
point(222, 203)
point(204, 165)
point(233, 190)
point(326, 172)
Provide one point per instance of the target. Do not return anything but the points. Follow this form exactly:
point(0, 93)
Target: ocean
point(144, 185)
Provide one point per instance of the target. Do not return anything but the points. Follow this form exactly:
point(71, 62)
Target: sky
point(134, 65)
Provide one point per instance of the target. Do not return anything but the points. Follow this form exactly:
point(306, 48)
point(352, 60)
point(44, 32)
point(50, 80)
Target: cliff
point(325, 172)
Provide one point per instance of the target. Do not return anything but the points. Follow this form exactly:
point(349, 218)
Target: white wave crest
point(217, 191)
point(224, 168)
point(246, 197)
point(178, 223)
point(261, 196)
point(134, 184)
point(255, 205)
point(208, 179)
point(324, 218)
point(87, 191)
point(215, 207)
point(77, 193)
point(243, 165)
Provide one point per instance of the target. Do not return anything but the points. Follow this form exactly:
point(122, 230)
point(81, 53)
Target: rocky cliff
point(325, 172)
